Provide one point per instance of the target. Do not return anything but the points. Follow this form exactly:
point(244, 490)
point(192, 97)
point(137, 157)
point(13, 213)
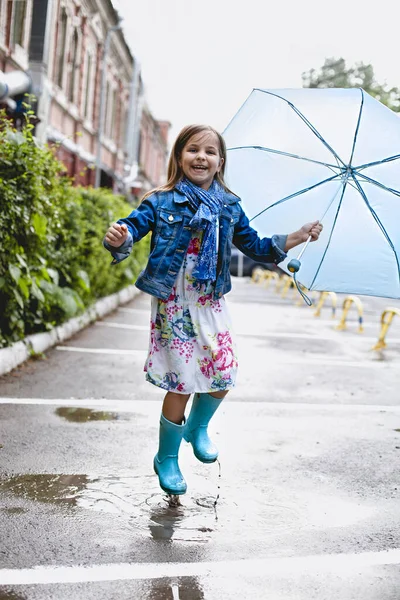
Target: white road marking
point(325, 563)
point(101, 350)
point(121, 325)
point(175, 591)
point(266, 334)
point(311, 360)
point(146, 405)
point(134, 311)
point(316, 336)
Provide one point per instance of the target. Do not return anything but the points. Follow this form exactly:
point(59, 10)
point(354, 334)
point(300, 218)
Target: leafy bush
point(52, 262)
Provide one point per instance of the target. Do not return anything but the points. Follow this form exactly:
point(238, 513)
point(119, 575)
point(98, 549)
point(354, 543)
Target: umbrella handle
point(295, 264)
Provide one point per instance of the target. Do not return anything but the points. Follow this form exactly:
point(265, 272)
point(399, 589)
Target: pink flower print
point(181, 387)
point(223, 358)
point(172, 295)
point(206, 367)
point(194, 246)
point(224, 338)
point(204, 299)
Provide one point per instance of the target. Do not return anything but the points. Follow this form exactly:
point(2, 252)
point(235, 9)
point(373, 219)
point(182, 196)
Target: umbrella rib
point(345, 181)
point(357, 127)
point(378, 162)
point(379, 184)
point(307, 122)
point(379, 222)
point(294, 195)
point(281, 152)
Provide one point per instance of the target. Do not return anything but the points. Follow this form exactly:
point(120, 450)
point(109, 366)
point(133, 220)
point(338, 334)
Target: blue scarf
point(208, 206)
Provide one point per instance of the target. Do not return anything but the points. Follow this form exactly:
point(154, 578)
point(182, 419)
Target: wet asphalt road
point(304, 504)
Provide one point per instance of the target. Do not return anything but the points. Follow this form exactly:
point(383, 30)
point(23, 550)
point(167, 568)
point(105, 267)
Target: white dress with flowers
point(191, 347)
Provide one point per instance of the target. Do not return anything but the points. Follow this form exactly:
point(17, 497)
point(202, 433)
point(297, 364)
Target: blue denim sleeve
point(122, 251)
point(139, 223)
point(269, 250)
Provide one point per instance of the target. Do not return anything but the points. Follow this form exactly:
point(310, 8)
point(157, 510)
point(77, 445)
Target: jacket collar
point(181, 198)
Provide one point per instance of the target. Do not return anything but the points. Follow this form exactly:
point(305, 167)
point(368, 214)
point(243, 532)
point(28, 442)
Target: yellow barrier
point(300, 300)
point(385, 326)
point(281, 282)
point(286, 286)
point(257, 274)
point(346, 307)
point(269, 276)
point(324, 296)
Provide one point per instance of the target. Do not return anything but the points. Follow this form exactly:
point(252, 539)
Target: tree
point(335, 74)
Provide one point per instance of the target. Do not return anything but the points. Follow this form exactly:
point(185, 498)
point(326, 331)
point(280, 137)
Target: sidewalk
point(306, 506)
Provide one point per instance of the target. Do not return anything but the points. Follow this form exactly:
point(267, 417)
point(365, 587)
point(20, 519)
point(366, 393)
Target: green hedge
point(52, 262)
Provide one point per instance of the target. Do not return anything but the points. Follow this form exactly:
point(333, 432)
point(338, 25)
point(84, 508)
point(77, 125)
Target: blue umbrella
point(299, 155)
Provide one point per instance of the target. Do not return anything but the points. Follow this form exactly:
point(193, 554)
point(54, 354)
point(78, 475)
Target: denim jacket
point(167, 215)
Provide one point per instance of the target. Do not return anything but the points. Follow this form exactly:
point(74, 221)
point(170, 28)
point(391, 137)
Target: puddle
point(84, 415)
point(186, 523)
point(48, 488)
point(14, 510)
point(323, 347)
point(145, 508)
point(326, 512)
point(4, 595)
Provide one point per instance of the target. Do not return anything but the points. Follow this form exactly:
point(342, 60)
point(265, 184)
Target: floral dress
point(191, 347)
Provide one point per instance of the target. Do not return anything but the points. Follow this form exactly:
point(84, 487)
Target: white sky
point(200, 60)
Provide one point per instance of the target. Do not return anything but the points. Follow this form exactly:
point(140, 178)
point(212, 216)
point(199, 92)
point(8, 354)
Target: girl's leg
point(174, 406)
point(203, 409)
point(170, 438)
point(220, 395)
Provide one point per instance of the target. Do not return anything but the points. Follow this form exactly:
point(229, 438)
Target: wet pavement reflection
point(84, 415)
point(11, 596)
point(150, 514)
point(188, 523)
point(185, 588)
point(44, 487)
point(144, 508)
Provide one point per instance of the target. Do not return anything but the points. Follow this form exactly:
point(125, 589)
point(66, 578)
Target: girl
point(193, 218)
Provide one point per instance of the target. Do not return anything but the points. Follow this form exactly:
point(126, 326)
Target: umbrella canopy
point(298, 155)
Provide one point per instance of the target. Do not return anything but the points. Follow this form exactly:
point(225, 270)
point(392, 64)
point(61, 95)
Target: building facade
point(90, 97)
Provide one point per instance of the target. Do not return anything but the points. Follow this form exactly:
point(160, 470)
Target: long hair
point(175, 173)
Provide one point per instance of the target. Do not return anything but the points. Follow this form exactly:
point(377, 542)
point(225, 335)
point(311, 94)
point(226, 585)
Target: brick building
point(60, 45)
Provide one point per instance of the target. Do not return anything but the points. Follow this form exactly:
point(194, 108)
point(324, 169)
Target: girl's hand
point(116, 235)
point(313, 229)
point(301, 235)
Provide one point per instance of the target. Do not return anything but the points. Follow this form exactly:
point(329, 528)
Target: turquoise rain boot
point(166, 460)
point(195, 432)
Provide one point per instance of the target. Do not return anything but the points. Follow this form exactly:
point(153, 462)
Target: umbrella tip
point(294, 265)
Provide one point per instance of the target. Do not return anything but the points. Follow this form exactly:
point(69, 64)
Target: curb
point(19, 352)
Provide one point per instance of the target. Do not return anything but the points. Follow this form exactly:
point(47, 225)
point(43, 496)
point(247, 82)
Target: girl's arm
point(121, 236)
point(270, 249)
point(299, 237)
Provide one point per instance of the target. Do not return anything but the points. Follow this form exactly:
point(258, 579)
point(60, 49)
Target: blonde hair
point(175, 173)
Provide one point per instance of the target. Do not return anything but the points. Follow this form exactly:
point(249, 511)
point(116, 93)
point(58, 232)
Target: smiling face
point(201, 159)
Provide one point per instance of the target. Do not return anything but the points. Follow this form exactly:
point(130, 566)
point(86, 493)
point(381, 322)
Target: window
point(106, 109)
point(122, 126)
point(18, 22)
point(61, 46)
point(110, 111)
point(15, 22)
point(113, 119)
point(88, 99)
point(72, 66)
